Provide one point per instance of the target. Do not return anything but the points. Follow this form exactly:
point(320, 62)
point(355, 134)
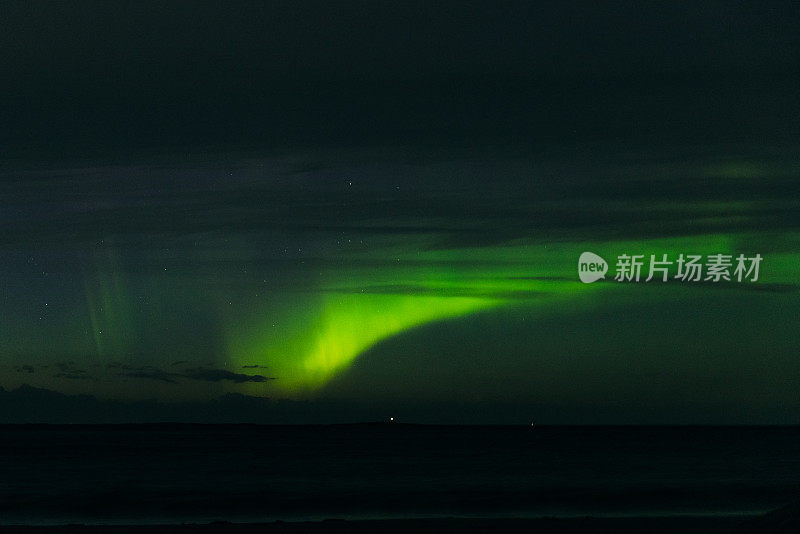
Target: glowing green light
point(108, 307)
point(347, 325)
point(312, 337)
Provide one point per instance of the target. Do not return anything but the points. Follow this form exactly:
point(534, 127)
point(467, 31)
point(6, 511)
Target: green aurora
point(333, 212)
point(421, 295)
point(308, 335)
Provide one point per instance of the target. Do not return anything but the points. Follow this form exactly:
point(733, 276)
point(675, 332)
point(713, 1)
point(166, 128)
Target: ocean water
point(178, 473)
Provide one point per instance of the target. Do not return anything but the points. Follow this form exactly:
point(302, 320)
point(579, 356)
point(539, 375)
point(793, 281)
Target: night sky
point(384, 203)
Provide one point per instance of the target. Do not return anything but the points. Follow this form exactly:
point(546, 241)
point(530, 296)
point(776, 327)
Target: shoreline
point(656, 524)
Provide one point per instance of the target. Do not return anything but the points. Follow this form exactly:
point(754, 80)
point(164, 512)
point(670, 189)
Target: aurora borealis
point(366, 214)
point(289, 307)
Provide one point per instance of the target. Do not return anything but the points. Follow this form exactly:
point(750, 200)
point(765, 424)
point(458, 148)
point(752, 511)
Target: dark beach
point(544, 525)
point(393, 478)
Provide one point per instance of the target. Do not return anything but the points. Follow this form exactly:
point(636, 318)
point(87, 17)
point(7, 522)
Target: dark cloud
point(219, 375)
point(25, 369)
point(69, 370)
point(134, 368)
point(74, 376)
point(408, 289)
point(169, 378)
point(200, 374)
point(560, 197)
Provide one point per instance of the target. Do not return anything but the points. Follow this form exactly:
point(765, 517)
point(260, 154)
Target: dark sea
point(183, 473)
